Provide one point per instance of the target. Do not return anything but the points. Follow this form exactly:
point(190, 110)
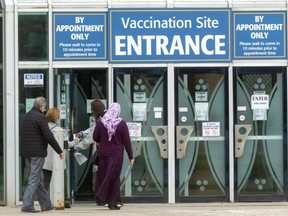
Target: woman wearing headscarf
point(112, 134)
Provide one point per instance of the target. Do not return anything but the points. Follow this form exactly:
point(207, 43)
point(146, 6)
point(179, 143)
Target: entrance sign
point(169, 35)
point(260, 35)
point(260, 102)
point(79, 36)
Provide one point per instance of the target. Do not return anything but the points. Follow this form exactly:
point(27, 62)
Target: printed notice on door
point(134, 129)
point(210, 128)
point(259, 102)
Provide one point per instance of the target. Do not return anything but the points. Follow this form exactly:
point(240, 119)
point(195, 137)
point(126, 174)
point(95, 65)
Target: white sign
point(139, 96)
point(201, 111)
point(139, 111)
point(201, 96)
point(210, 128)
point(33, 79)
point(259, 115)
point(62, 109)
point(259, 101)
point(134, 129)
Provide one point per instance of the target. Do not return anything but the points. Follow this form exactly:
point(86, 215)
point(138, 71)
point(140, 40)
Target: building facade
point(202, 86)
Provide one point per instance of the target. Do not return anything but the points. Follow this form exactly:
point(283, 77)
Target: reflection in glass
point(33, 36)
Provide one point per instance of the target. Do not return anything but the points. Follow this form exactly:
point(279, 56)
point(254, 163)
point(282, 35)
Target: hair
point(98, 108)
point(53, 115)
point(39, 101)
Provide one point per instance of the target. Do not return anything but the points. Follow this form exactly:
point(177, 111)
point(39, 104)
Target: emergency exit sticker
point(260, 101)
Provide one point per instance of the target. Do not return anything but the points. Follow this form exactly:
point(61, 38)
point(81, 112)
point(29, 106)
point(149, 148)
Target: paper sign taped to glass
point(80, 158)
point(201, 111)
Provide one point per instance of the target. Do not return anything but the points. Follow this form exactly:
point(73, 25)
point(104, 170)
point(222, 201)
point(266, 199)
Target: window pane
point(33, 37)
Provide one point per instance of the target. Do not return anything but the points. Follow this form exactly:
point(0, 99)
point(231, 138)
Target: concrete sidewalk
point(191, 209)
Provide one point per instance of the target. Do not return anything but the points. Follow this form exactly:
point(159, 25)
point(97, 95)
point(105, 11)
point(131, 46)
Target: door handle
point(183, 133)
point(241, 134)
point(161, 134)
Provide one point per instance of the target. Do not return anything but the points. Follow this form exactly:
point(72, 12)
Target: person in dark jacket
point(35, 136)
point(112, 134)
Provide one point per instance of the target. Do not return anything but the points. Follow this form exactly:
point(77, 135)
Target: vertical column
point(10, 105)
point(58, 173)
point(231, 133)
point(171, 133)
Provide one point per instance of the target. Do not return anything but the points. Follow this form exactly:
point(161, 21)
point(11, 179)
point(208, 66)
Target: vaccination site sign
point(79, 36)
point(169, 35)
point(259, 35)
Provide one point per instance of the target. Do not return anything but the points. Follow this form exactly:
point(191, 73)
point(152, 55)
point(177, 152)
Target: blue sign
point(169, 35)
point(79, 36)
point(260, 35)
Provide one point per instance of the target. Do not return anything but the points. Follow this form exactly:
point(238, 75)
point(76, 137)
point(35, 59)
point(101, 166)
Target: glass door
point(28, 91)
point(201, 131)
point(260, 141)
point(141, 93)
point(76, 89)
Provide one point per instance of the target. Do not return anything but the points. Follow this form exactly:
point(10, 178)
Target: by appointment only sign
point(169, 35)
point(79, 36)
point(259, 35)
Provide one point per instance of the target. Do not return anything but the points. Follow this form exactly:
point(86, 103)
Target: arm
point(83, 134)
point(86, 142)
point(127, 142)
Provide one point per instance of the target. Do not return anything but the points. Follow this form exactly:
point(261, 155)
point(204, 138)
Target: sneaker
point(30, 210)
point(120, 204)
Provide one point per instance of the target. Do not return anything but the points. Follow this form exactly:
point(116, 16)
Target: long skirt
point(107, 188)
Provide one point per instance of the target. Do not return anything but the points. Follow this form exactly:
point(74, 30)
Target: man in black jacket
point(35, 136)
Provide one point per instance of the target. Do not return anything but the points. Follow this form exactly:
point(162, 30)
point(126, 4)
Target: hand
point(77, 135)
point(61, 155)
point(131, 162)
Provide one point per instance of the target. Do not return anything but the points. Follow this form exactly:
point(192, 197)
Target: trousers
point(35, 185)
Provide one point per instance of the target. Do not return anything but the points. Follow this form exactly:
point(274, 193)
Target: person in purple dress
point(112, 134)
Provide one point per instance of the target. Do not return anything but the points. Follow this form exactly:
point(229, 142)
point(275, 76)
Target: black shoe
point(113, 207)
point(67, 204)
point(29, 210)
point(48, 209)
